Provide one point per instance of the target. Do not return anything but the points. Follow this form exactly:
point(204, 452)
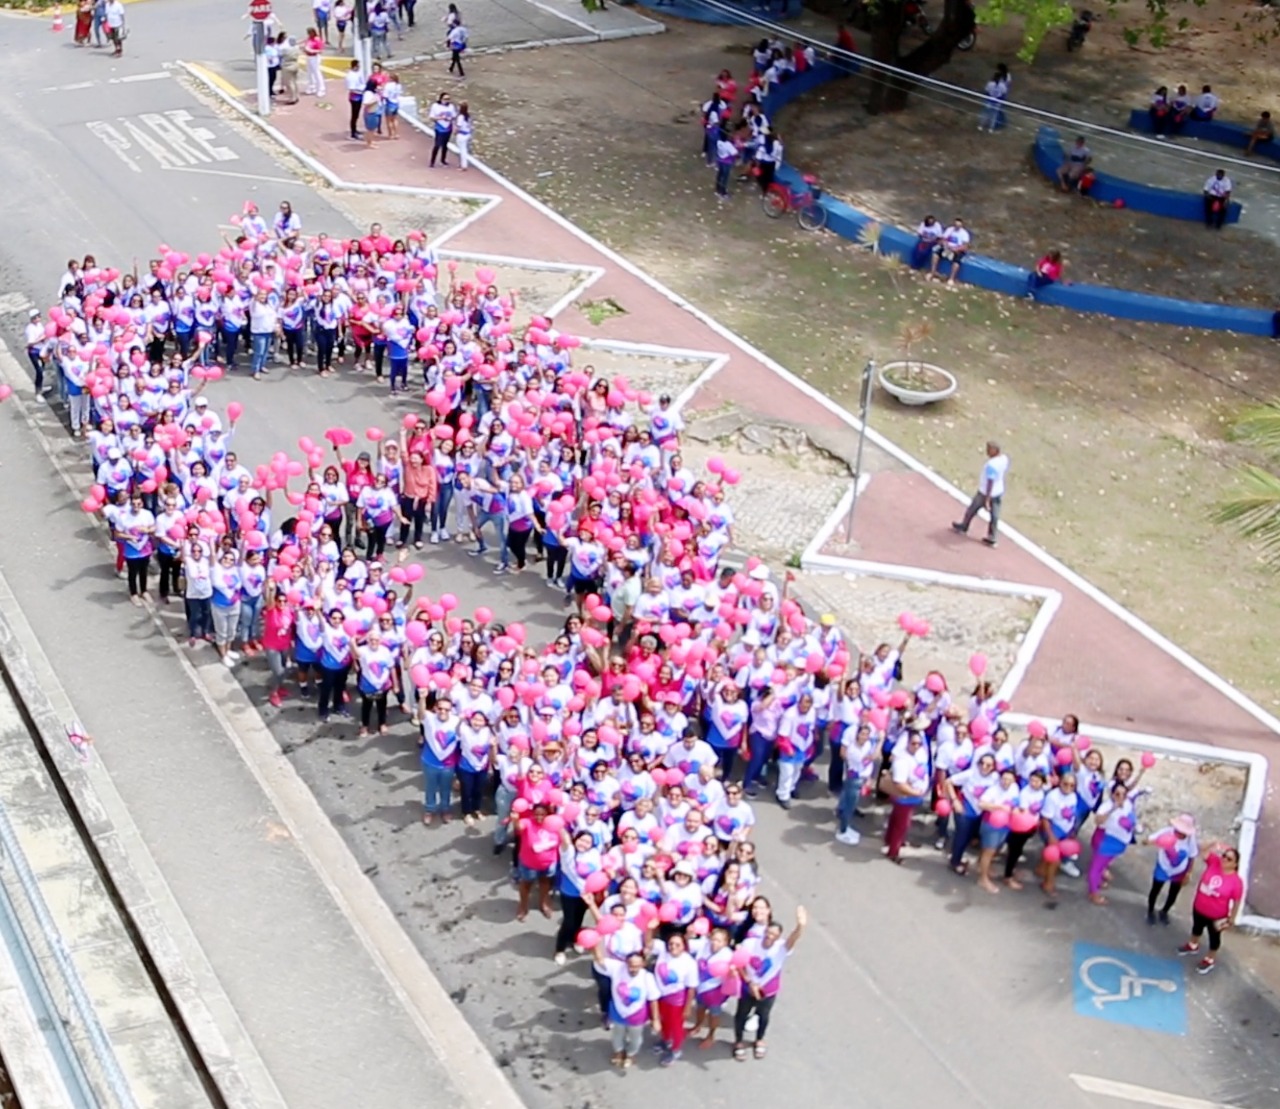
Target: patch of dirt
point(932, 159)
point(1117, 431)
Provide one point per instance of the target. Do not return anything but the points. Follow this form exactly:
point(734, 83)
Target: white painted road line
point(173, 138)
point(131, 79)
point(1143, 1095)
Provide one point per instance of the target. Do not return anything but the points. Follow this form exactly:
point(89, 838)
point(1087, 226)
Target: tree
point(886, 20)
point(1255, 510)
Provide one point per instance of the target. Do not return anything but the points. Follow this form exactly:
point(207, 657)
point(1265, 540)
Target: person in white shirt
point(355, 81)
point(264, 321)
point(114, 19)
point(1217, 199)
point(37, 350)
point(952, 247)
point(928, 235)
point(1206, 104)
point(456, 41)
point(990, 494)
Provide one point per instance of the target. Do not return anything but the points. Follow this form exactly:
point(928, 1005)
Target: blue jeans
point(850, 791)
point(473, 783)
point(966, 828)
point(260, 346)
point(230, 344)
point(761, 750)
point(723, 170)
point(439, 789)
point(249, 609)
point(502, 804)
point(499, 521)
point(440, 508)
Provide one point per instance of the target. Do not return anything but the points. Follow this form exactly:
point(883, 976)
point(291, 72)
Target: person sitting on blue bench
point(952, 247)
point(1047, 272)
point(928, 234)
point(1217, 199)
point(1263, 131)
point(1206, 104)
point(1179, 109)
point(1078, 159)
point(1160, 111)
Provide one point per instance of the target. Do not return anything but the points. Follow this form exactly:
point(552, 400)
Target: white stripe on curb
point(1143, 1095)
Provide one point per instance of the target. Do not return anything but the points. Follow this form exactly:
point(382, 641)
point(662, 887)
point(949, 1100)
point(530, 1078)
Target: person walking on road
point(990, 494)
point(113, 17)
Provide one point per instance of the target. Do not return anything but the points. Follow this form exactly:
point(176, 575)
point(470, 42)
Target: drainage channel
point(74, 1043)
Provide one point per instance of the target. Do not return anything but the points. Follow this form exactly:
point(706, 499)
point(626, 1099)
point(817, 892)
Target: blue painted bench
point(1003, 277)
point(1049, 155)
point(704, 13)
point(1209, 130)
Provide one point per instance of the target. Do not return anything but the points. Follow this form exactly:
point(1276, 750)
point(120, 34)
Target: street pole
point(868, 384)
point(362, 41)
point(260, 64)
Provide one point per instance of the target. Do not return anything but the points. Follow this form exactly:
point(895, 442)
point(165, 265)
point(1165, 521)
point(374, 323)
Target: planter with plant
point(912, 381)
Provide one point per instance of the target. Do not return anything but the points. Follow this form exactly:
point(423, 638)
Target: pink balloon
point(977, 664)
point(1070, 848)
point(998, 818)
point(235, 410)
point(1167, 841)
point(943, 807)
point(1036, 729)
point(606, 926)
point(1052, 853)
point(1148, 759)
point(588, 938)
point(935, 683)
point(1022, 821)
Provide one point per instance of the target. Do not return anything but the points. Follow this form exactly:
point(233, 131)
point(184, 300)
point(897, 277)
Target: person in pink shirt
point(536, 857)
point(277, 639)
point(1219, 897)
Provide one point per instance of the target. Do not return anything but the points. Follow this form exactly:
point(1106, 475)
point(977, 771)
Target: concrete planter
point(938, 385)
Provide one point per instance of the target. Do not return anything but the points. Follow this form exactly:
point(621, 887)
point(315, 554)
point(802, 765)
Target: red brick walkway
point(1090, 662)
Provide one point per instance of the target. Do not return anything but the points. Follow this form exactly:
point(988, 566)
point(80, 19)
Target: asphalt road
point(912, 985)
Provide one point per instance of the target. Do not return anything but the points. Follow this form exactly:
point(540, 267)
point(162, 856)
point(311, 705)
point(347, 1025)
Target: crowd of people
point(620, 764)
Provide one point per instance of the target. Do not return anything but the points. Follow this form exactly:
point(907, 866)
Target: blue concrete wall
point(1049, 154)
point(702, 13)
point(1003, 277)
point(1211, 130)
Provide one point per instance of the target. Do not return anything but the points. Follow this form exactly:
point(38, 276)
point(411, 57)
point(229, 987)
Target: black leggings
point(1157, 884)
point(377, 540)
point(333, 684)
point(556, 559)
point(369, 702)
point(1014, 847)
point(414, 510)
point(575, 912)
point(761, 1006)
point(355, 117)
point(170, 568)
point(518, 544)
point(456, 63)
point(1199, 922)
point(295, 341)
point(137, 574)
point(326, 340)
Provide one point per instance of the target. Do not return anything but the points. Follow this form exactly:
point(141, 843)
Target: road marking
point(233, 173)
point(159, 75)
point(1124, 987)
point(1143, 1095)
point(207, 74)
point(172, 138)
point(115, 142)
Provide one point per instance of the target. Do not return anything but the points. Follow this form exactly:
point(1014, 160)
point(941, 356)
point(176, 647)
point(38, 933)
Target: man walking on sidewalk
point(990, 494)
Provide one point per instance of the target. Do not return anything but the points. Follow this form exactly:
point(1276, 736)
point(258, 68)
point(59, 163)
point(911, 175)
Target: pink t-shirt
point(539, 845)
point(1218, 893)
point(277, 628)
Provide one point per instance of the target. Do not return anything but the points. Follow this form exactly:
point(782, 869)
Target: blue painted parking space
point(1124, 987)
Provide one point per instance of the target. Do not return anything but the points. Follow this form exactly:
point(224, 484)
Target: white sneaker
point(228, 661)
point(435, 537)
point(1070, 869)
point(560, 959)
point(444, 537)
point(232, 657)
point(850, 837)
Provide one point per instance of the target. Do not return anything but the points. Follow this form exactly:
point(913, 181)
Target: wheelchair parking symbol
point(1127, 988)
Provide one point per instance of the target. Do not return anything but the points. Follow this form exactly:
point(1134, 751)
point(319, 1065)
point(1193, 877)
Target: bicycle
point(779, 199)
